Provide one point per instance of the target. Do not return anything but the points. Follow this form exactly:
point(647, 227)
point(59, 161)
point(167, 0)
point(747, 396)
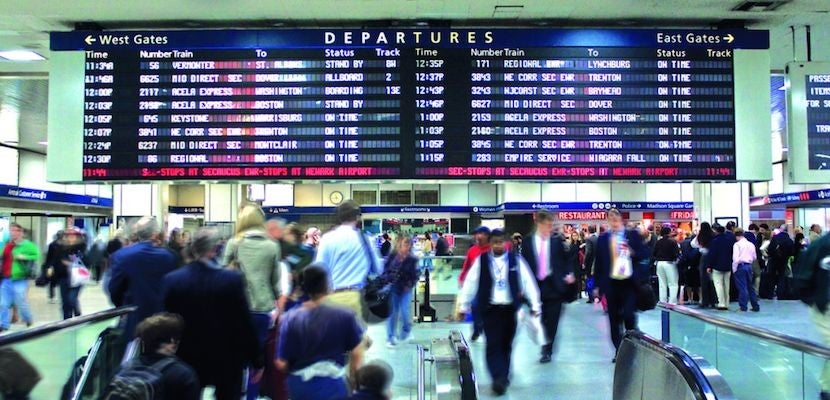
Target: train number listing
point(409, 104)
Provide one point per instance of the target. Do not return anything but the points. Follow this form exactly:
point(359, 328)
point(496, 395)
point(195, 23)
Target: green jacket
point(258, 258)
point(811, 276)
point(27, 250)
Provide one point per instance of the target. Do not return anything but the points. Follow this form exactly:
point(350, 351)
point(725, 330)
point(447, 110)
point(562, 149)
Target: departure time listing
point(403, 110)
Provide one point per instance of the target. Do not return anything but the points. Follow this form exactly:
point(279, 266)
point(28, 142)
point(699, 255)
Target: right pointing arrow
point(729, 38)
point(89, 40)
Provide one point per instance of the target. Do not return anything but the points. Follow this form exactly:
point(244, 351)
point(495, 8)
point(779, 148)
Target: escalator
point(77, 358)
point(451, 374)
point(758, 363)
point(648, 368)
point(68, 360)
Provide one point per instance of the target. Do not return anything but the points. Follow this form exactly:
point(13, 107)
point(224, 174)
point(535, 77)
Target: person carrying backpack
point(157, 373)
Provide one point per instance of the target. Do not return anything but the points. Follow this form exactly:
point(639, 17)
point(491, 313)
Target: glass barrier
point(757, 363)
point(643, 360)
point(47, 362)
point(440, 280)
point(444, 271)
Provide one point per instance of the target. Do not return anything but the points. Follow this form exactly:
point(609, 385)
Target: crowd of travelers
point(288, 306)
point(285, 305)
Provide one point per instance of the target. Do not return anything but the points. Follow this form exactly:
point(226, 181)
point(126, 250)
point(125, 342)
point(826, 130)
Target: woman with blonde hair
point(252, 252)
point(400, 273)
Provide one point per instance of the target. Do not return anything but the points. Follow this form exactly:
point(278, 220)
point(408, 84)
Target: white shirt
point(501, 293)
point(542, 243)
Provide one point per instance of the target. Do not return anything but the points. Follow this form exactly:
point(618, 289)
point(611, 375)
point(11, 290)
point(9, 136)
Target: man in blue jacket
point(219, 340)
point(137, 274)
point(719, 262)
point(619, 255)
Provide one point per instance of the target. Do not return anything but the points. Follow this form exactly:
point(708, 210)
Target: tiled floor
point(581, 368)
point(92, 299)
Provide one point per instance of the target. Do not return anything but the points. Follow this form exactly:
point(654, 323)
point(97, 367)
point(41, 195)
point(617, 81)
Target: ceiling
point(23, 109)
point(26, 24)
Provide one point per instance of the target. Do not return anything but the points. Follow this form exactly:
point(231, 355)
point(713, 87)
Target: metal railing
point(467, 387)
point(421, 367)
point(43, 330)
point(642, 352)
point(87, 349)
point(788, 341)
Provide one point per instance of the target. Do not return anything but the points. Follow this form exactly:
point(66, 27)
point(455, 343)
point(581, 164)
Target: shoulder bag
point(375, 298)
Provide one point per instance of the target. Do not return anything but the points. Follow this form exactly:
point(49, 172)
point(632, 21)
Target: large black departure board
point(409, 104)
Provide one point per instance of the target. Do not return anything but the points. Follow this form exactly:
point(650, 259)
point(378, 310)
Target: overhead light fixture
point(507, 11)
point(44, 143)
point(759, 5)
point(21, 55)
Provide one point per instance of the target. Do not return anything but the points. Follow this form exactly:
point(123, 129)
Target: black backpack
point(138, 381)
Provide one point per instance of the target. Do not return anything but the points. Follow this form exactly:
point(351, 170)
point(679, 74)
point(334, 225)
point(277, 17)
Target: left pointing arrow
point(89, 39)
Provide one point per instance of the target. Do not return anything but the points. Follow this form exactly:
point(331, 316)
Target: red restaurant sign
point(682, 215)
point(582, 215)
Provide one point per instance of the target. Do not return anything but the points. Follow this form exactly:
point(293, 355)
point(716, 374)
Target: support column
point(132, 201)
point(722, 200)
point(222, 201)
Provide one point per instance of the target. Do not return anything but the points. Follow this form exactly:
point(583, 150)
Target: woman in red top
point(481, 246)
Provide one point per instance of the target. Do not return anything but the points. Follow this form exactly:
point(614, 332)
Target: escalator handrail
point(90, 360)
point(466, 371)
point(689, 367)
point(43, 330)
point(785, 340)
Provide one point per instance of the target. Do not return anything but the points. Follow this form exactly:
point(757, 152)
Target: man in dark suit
point(590, 257)
point(620, 252)
point(548, 260)
point(781, 247)
point(219, 340)
point(719, 264)
point(137, 272)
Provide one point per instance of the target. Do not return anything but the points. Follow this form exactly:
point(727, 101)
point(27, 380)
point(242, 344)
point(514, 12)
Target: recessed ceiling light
point(43, 143)
point(21, 55)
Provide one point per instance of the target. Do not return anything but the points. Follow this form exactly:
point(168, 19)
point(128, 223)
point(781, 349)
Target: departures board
point(808, 118)
point(400, 104)
point(818, 120)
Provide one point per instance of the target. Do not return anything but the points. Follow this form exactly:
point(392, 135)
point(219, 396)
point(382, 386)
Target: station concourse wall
point(221, 200)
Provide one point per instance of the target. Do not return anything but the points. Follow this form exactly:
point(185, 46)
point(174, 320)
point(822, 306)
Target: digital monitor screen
point(818, 120)
point(408, 104)
point(808, 111)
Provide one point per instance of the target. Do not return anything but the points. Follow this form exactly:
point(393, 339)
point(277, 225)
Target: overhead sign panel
point(400, 104)
point(808, 111)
